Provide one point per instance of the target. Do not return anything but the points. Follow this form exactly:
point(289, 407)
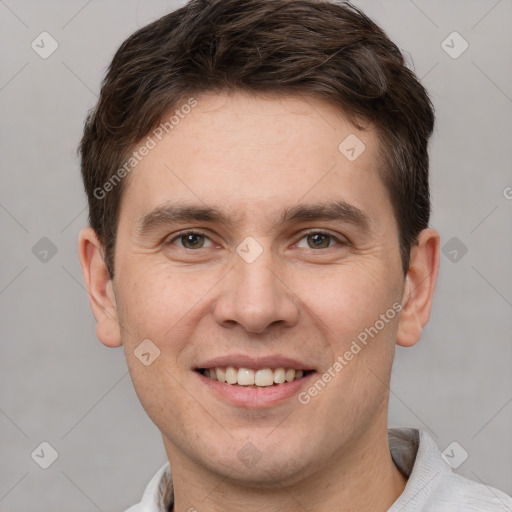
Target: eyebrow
point(169, 213)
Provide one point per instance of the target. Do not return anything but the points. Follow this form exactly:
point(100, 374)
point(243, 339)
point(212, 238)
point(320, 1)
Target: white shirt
point(432, 485)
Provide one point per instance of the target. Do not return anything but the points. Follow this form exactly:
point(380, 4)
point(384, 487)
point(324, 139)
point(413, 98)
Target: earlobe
point(99, 287)
point(419, 288)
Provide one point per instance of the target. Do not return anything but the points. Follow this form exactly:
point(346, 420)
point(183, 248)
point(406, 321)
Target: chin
point(260, 463)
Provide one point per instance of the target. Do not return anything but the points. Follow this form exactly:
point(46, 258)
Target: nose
point(255, 295)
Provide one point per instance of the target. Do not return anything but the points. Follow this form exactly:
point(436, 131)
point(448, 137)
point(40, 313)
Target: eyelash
point(343, 242)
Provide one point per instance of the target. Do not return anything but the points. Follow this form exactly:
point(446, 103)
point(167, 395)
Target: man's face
point(271, 282)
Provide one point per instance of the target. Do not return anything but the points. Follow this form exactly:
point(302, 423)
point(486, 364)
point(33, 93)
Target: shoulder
point(432, 485)
point(159, 493)
point(455, 493)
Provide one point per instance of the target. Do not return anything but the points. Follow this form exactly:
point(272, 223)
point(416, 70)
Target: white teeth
point(248, 377)
point(264, 377)
point(279, 375)
point(220, 374)
point(290, 375)
point(231, 375)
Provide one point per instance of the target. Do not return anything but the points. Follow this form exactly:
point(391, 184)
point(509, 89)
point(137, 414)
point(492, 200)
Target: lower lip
point(261, 397)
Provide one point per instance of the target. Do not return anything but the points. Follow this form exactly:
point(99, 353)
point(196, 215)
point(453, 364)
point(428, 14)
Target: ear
point(99, 287)
point(420, 283)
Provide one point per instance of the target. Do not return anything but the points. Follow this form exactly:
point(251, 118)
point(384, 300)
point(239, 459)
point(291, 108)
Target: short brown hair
point(313, 48)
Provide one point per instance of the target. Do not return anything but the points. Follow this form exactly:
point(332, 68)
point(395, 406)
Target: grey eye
point(317, 240)
point(191, 240)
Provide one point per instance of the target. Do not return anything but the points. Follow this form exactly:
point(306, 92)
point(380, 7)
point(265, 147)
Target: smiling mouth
point(249, 378)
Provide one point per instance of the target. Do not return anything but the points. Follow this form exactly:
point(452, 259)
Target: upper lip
point(254, 363)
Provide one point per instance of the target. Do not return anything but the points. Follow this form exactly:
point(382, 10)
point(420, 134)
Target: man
point(257, 176)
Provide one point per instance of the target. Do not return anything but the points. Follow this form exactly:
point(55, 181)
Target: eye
point(320, 240)
point(191, 240)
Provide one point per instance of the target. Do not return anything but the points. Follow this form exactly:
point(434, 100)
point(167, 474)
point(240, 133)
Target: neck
point(362, 478)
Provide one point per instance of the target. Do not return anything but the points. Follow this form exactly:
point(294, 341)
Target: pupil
point(319, 240)
point(191, 240)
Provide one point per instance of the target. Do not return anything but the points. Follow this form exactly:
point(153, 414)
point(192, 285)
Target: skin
point(251, 157)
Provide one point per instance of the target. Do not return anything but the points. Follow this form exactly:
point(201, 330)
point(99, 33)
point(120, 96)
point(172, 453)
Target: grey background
point(60, 385)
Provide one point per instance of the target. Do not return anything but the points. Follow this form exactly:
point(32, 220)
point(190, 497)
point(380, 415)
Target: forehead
point(256, 152)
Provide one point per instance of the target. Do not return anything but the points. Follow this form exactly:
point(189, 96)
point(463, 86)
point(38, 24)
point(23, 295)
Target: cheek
point(347, 308)
point(156, 299)
point(348, 300)
point(154, 304)
point(167, 306)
